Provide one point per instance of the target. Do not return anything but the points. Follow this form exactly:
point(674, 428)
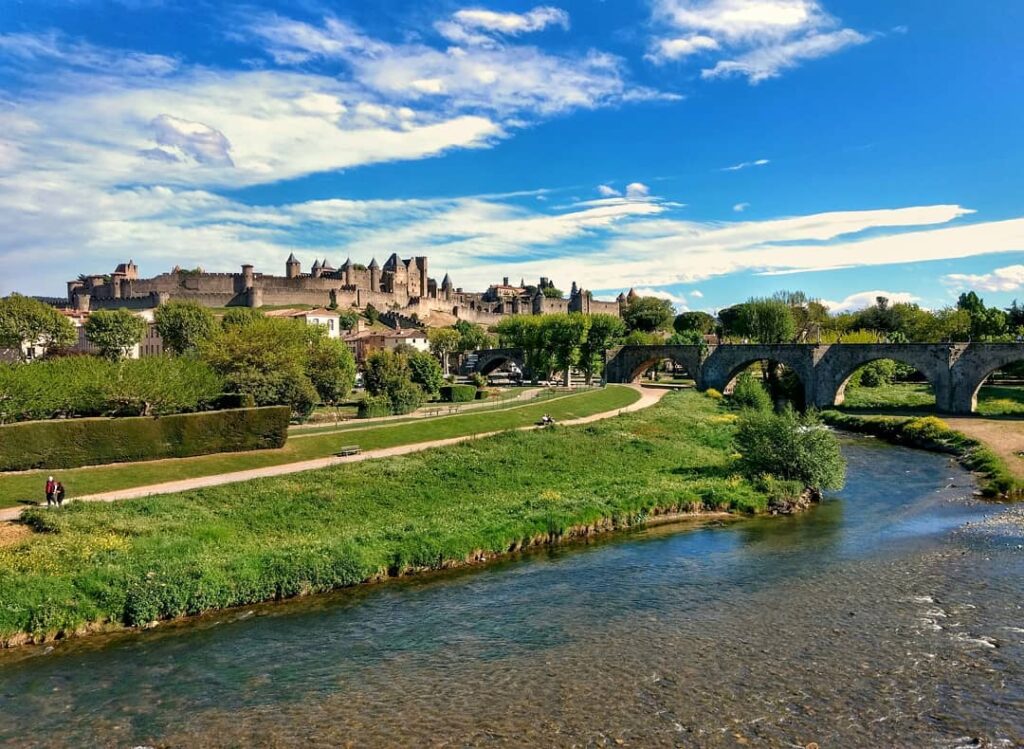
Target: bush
point(478, 380)
point(374, 406)
point(458, 393)
point(713, 394)
point(70, 443)
point(790, 448)
point(425, 371)
point(82, 386)
point(750, 393)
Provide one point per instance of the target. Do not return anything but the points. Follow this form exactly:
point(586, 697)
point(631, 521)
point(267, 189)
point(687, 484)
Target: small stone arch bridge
point(956, 371)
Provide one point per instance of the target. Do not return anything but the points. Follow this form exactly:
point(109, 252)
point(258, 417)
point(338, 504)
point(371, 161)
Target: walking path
point(647, 398)
point(1005, 437)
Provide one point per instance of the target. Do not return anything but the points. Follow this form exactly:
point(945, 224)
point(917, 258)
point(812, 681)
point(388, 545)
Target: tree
point(388, 379)
point(371, 314)
point(986, 322)
point(700, 322)
point(27, 322)
point(749, 392)
point(731, 320)
point(605, 331)
point(768, 321)
point(790, 448)
point(527, 332)
point(331, 368)
point(472, 337)
point(443, 342)
point(566, 334)
point(551, 292)
point(267, 359)
point(648, 314)
point(348, 320)
point(115, 332)
point(426, 372)
point(240, 316)
point(184, 325)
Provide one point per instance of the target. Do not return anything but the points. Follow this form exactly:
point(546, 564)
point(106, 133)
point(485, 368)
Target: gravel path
point(648, 397)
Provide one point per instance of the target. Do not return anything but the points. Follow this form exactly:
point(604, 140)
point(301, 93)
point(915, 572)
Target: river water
point(889, 616)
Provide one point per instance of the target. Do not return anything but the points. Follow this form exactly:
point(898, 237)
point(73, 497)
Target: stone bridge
point(956, 371)
point(489, 360)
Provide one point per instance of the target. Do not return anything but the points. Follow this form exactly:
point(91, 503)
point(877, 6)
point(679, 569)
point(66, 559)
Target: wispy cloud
point(864, 299)
point(606, 191)
point(746, 165)
point(1009, 278)
point(758, 39)
point(740, 207)
point(479, 26)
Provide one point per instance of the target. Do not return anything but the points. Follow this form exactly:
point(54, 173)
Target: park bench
point(348, 450)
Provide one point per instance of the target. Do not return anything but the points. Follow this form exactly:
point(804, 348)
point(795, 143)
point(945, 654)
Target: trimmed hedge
point(374, 406)
point(458, 393)
point(72, 443)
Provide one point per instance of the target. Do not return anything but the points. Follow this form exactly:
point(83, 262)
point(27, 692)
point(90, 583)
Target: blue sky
point(706, 150)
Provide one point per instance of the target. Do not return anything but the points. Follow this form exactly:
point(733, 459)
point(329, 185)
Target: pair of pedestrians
point(54, 493)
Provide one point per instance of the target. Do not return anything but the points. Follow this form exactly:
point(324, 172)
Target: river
point(891, 615)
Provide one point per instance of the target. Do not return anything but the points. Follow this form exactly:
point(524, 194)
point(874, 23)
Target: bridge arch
point(840, 362)
point(974, 366)
point(725, 363)
point(489, 360)
point(628, 363)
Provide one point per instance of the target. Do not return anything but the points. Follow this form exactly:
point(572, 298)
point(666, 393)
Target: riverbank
point(932, 433)
point(130, 564)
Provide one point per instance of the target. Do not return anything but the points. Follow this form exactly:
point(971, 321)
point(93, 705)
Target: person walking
point(51, 487)
point(58, 493)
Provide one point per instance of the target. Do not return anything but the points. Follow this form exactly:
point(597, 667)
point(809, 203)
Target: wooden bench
point(348, 450)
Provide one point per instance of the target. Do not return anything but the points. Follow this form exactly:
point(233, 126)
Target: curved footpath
point(648, 397)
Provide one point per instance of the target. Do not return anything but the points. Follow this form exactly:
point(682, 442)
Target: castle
point(400, 286)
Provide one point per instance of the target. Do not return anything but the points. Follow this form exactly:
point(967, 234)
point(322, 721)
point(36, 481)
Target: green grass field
point(918, 397)
point(141, 560)
point(21, 487)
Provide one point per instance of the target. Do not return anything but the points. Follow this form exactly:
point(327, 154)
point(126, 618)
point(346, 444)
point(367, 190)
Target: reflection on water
point(869, 621)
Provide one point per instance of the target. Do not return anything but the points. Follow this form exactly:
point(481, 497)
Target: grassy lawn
point(141, 560)
point(904, 396)
point(15, 488)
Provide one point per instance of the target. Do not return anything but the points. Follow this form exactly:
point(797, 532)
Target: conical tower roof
point(373, 264)
point(447, 282)
point(292, 259)
point(632, 295)
point(316, 265)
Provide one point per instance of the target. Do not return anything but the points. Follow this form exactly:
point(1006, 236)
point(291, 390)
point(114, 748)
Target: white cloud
point(680, 47)
point(740, 207)
point(637, 190)
point(697, 294)
point(758, 39)
point(1009, 278)
point(746, 165)
point(770, 61)
point(864, 299)
point(466, 25)
point(606, 191)
point(52, 47)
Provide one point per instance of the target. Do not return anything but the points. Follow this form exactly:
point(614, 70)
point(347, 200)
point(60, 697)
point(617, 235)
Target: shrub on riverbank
point(750, 393)
point(136, 561)
point(790, 448)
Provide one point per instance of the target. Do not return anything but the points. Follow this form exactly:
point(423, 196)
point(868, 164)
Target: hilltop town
point(403, 287)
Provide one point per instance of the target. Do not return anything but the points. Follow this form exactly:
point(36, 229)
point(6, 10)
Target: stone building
point(401, 286)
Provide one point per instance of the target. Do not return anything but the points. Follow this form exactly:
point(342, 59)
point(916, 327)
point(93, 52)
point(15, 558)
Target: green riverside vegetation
point(130, 563)
point(15, 488)
point(899, 396)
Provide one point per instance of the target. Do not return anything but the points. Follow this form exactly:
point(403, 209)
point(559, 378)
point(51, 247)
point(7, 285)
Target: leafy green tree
point(388, 378)
point(331, 368)
point(605, 332)
point(443, 342)
point(551, 292)
point(986, 322)
point(472, 337)
point(267, 359)
point(768, 321)
point(348, 320)
point(115, 332)
point(686, 338)
point(700, 322)
point(184, 325)
point(566, 334)
point(27, 322)
point(370, 313)
point(240, 316)
point(791, 448)
point(527, 332)
point(425, 371)
point(648, 314)
point(731, 320)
